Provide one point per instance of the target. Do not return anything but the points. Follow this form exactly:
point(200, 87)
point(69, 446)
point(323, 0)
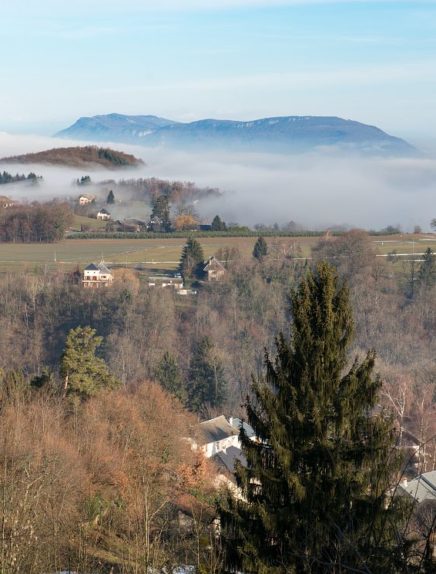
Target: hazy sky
point(373, 61)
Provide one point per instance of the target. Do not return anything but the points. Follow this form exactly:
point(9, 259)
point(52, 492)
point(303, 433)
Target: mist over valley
point(316, 189)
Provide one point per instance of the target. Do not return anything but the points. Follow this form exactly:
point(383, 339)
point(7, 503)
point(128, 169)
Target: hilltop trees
point(315, 486)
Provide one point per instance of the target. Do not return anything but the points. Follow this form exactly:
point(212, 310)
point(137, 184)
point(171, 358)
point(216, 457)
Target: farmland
point(164, 254)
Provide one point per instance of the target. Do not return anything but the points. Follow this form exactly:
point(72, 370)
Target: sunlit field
point(164, 254)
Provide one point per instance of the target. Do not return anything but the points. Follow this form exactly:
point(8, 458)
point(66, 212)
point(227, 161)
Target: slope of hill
point(279, 135)
point(87, 156)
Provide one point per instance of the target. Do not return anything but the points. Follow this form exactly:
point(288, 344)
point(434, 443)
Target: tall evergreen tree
point(191, 260)
point(170, 378)
point(218, 224)
point(83, 373)
point(427, 270)
point(161, 212)
point(110, 198)
point(206, 381)
point(314, 491)
point(260, 249)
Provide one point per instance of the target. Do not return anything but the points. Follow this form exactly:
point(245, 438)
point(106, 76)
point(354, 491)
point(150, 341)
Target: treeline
point(45, 222)
point(6, 177)
point(150, 188)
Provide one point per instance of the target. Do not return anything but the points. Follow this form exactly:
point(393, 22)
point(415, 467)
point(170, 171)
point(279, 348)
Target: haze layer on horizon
point(373, 61)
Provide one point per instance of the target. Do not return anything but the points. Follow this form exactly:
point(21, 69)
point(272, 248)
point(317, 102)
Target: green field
point(164, 254)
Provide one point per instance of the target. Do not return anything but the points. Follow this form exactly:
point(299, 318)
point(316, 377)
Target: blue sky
point(371, 61)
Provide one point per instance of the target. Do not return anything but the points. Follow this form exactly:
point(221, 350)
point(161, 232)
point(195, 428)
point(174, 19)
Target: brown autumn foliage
point(100, 487)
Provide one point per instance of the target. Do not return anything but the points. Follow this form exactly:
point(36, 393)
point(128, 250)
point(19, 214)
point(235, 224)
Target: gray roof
point(237, 423)
point(228, 458)
point(216, 429)
point(100, 267)
point(103, 269)
point(421, 488)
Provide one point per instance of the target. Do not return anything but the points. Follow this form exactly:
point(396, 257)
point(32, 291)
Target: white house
point(95, 276)
point(103, 215)
point(216, 435)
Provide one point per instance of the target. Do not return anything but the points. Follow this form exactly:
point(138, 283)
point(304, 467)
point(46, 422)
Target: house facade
point(214, 270)
point(86, 199)
point(103, 215)
point(95, 276)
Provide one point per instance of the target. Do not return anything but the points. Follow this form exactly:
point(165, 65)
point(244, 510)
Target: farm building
point(95, 276)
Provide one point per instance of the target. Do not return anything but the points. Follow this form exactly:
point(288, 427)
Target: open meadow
point(164, 254)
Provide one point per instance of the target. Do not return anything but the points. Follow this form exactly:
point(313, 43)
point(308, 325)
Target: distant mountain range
point(289, 134)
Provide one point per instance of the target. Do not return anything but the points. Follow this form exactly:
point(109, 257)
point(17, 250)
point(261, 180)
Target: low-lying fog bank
point(315, 190)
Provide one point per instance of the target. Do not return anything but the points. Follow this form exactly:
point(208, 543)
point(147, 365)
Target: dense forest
point(110, 486)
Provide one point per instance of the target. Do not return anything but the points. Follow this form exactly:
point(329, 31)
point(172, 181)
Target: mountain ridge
point(272, 134)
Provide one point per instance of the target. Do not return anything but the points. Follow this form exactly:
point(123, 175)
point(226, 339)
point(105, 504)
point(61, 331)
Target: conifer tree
point(110, 198)
point(427, 270)
point(260, 249)
point(218, 224)
point(315, 485)
point(191, 260)
point(206, 381)
point(170, 378)
point(84, 374)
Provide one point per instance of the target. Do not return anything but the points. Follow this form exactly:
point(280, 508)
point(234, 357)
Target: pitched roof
point(238, 423)
point(91, 267)
point(421, 488)
point(229, 457)
point(213, 264)
point(103, 269)
point(216, 429)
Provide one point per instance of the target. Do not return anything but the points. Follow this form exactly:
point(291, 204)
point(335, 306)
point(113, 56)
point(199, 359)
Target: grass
point(89, 222)
point(163, 254)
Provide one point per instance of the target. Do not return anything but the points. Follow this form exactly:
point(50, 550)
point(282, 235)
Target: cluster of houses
point(99, 275)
